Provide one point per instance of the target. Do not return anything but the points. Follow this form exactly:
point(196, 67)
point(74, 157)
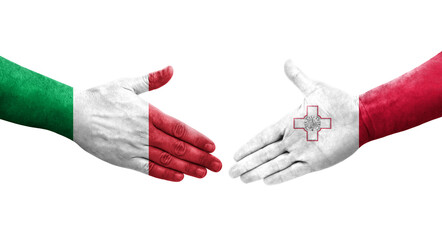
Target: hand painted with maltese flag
point(326, 133)
point(330, 125)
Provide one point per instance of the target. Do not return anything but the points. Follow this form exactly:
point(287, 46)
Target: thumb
point(151, 81)
point(304, 84)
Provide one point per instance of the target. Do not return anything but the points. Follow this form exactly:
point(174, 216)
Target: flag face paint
point(408, 101)
point(31, 99)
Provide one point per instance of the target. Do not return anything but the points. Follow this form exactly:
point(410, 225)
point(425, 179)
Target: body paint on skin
point(33, 100)
point(408, 101)
point(312, 123)
point(174, 147)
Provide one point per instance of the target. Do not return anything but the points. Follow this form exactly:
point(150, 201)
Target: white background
point(229, 83)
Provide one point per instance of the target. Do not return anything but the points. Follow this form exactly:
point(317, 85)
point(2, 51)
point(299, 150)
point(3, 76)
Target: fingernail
point(216, 166)
point(178, 177)
point(201, 172)
point(209, 147)
point(159, 78)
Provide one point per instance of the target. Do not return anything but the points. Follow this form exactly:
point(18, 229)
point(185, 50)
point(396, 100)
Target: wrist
point(364, 124)
point(33, 100)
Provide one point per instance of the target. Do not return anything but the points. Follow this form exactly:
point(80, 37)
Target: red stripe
point(176, 148)
point(408, 101)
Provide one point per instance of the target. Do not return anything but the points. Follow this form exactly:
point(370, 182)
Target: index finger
point(180, 130)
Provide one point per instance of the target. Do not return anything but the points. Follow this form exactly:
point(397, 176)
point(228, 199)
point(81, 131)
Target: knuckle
point(202, 159)
point(247, 165)
point(187, 167)
point(167, 175)
point(265, 155)
point(198, 141)
point(98, 91)
point(144, 79)
point(144, 168)
point(179, 130)
point(279, 146)
point(165, 159)
point(150, 167)
point(179, 148)
point(275, 166)
point(157, 120)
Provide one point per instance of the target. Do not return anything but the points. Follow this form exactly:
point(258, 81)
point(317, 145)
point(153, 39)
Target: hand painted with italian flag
point(111, 121)
point(114, 124)
point(330, 125)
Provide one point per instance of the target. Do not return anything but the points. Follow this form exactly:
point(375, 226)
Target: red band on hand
point(408, 101)
point(179, 148)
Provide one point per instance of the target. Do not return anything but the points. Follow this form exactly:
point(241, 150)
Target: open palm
point(293, 147)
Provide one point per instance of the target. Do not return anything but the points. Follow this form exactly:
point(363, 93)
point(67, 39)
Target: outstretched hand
point(114, 124)
point(281, 152)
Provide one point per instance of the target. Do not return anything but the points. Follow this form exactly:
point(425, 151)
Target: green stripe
point(31, 99)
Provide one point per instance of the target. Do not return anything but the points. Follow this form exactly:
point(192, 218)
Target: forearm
point(31, 99)
point(408, 101)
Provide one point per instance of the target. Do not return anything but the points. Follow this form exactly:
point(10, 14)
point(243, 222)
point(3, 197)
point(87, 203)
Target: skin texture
point(110, 121)
point(33, 100)
point(280, 152)
point(114, 124)
point(413, 98)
